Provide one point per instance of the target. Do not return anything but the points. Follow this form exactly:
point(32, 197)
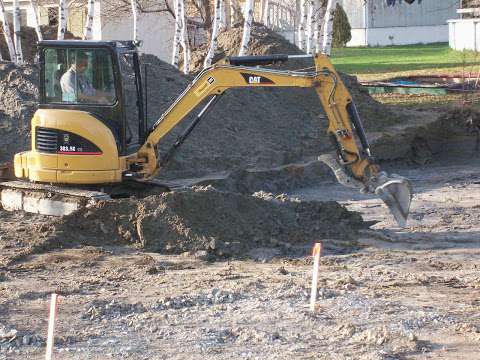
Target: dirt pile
point(247, 128)
point(18, 102)
point(427, 139)
point(263, 41)
point(29, 41)
point(255, 128)
point(211, 222)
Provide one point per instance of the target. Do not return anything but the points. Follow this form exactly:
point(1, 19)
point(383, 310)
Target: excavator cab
point(100, 78)
point(90, 117)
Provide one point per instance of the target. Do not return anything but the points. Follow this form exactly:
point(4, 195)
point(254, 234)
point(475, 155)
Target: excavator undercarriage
point(86, 145)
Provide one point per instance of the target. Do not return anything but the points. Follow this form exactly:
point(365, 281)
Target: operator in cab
point(77, 87)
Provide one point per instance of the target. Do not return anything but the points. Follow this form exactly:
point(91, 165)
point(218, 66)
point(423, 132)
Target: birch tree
point(228, 14)
point(302, 24)
point(178, 33)
point(184, 38)
point(328, 27)
point(17, 32)
point(87, 32)
point(62, 20)
point(133, 4)
point(311, 22)
point(266, 13)
point(223, 16)
point(318, 33)
point(36, 23)
point(247, 27)
point(213, 42)
point(6, 33)
point(235, 13)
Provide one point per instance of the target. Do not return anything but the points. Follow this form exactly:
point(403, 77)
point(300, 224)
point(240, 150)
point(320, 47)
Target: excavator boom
point(352, 164)
point(88, 140)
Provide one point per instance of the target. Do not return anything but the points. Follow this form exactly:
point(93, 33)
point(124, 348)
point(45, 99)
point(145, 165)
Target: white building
point(156, 30)
point(464, 33)
point(374, 23)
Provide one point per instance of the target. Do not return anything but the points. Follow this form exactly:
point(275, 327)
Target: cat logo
point(253, 79)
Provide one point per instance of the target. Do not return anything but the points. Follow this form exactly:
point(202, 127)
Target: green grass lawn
point(390, 61)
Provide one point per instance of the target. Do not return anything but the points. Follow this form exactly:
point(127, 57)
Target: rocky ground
point(221, 268)
point(399, 294)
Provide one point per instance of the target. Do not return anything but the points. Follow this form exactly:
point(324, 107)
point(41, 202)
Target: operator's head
point(82, 61)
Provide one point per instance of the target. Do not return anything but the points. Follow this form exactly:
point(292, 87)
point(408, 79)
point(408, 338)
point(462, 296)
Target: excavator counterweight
point(91, 131)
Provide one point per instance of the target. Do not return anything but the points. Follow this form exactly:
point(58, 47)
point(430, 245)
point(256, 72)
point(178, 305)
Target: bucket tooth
point(396, 193)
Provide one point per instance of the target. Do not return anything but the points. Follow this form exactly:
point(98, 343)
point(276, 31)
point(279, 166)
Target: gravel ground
point(405, 294)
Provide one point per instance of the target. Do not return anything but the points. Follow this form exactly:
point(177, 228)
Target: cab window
point(78, 76)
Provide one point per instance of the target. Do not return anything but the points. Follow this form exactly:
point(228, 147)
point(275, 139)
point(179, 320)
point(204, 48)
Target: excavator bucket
point(396, 193)
point(394, 190)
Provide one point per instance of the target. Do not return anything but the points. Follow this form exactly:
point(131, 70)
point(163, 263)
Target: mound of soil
point(263, 41)
point(29, 41)
point(204, 219)
point(18, 102)
point(254, 128)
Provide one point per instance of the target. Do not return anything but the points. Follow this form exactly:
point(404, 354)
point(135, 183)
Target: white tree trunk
point(6, 33)
point(87, 32)
point(213, 41)
point(318, 36)
point(62, 20)
point(133, 3)
point(311, 22)
point(328, 27)
point(235, 13)
point(36, 23)
point(17, 31)
point(266, 13)
point(228, 13)
point(184, 38)
point(178, 33)
point(247, 27)
point(223, 16)
point(302, 24)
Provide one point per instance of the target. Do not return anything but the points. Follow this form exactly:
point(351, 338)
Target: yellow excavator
point(91, 129)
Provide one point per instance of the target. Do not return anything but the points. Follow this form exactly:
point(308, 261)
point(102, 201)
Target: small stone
point(212, 244)
point(201, 255)
point(152, 270)
point(26, 340)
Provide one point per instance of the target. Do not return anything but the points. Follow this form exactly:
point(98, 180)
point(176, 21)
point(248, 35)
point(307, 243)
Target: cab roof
point(114, 44)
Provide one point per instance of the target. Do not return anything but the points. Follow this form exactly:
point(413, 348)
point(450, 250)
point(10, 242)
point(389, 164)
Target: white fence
point(464, 34)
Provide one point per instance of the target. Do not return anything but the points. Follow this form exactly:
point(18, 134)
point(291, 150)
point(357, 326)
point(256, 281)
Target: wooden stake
point(51, 326)
point(317, 252)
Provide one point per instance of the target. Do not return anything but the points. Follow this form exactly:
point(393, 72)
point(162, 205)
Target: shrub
point(342, 31)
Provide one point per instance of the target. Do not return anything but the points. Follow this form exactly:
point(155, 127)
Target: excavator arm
point(352, 164)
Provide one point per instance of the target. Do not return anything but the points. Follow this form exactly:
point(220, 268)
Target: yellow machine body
point(103, 156)
point(104, 166)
